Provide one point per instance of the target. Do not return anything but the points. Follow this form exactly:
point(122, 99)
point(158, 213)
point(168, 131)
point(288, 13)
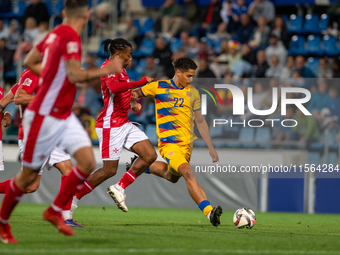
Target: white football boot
point(118, 197)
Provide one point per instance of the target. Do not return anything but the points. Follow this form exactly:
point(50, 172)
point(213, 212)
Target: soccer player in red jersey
point(48, 121)
point(22, 93)
point(115, 131)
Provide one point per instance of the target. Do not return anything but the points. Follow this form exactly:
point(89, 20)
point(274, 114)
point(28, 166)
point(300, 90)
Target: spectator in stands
point(300, 65)
point(243, 67)
point(275, 69)
point(306, 131)
point(6, 55)
point(296, 80)
point(245, 29)
point(30, 33)
point(280, 30)
point(259, 38)
point(130, 33)
point(226, 15)
point(87, 98)
point(238, 8)
point(277, 48)
point(153, 70)
point(162, 54)
point(90, 63)
point(43, 31)
point(194, 47)
point(203, 70)
point(260, 8)
point(259, 96)
point(209, 19)
point(248, 54)
point(261, 67)
point(333, 105)
point(187, 17)
point(336, 67)
point(319, 100)
point(287, 70)
point(281, 133)
point(204, 51)
point(13, 36)
point(185, 45)
point(4, 30)
point(334, 19)
point(37, 10)
point(101, 12)
point(324, 71)
point(169, 9)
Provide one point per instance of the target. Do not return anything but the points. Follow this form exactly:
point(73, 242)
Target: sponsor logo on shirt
point(72, 47)
point(27, 82)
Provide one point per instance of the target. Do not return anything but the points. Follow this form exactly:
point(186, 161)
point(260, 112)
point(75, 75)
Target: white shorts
point(43, 133)
point(2, 168)
point(57, 156)
point(112, 140)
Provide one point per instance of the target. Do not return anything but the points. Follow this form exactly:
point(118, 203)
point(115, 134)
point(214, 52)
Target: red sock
point(67, 207)
point(128, 178)
point(74, 182)
point(86, 189)
point(3, 186)
point(11, 198)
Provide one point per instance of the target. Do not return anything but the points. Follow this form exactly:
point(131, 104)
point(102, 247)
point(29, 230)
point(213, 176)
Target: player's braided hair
point(115, 45)
point(184, 64)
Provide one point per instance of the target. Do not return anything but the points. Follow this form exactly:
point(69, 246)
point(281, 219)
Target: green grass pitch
point(172, 231)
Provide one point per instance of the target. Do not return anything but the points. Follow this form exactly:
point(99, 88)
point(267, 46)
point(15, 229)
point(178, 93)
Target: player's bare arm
point(21, 97)
point(76, 74)
point(7, 118)
point(204, 131)
point(33, 61)
point(9, 98)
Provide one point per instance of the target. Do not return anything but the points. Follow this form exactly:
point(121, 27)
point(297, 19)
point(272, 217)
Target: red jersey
point(30, 83)
point(1, 97)
point(117, 105)
point(56, 95)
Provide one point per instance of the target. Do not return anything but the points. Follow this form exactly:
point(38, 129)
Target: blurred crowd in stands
point(233, 42)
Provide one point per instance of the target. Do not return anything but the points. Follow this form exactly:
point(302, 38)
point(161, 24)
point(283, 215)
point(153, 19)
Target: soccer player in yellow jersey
point(178, 104)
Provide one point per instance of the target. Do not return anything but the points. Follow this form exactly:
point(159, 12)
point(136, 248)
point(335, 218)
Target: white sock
point(66, 214)
point(120, 188)
point(209, 215)
point(75, 200)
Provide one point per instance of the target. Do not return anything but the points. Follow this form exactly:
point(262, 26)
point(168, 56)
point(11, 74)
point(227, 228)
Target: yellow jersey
point(174, 108)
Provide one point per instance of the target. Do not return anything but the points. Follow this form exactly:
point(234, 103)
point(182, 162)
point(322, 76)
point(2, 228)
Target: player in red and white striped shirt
point(48, 121)
point(115, 131)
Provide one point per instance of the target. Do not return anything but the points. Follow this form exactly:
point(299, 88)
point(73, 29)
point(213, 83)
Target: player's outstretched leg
point(198, 195)
point(74, 181)
point(147, 155)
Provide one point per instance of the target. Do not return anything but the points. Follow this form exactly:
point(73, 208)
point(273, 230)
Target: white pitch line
point(78, 251)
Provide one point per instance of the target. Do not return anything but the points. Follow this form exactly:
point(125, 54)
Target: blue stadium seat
point(295, 24)
point(247, 134)
point(312, 24)
point(217, 47)
point(18, 11)
point(175, 43)
point(324, 21)
point(48, 5)
point(146, 49)
point(136, 23)
point(263, 135)
point(313, 64)
point(216, 132)
point(313, 45)
point(152, 3)
point(148, 26)
point(100, 61)
point(150, 132)
point(202, 2)
point(58, 7)
point(286, 19)
point(100, 53)
point(329, 46)
point(297, 45)
point(209, 42)
point(141, 65)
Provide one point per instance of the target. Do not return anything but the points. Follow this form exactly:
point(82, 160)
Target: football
point(244, 218)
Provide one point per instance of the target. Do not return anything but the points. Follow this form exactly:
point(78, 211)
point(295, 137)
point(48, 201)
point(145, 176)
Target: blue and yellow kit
point(175, 109)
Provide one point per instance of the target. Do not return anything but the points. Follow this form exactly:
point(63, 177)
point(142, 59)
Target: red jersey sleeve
point(40, 46)
point(15, 88)
point(72, 49)
point(1, 93)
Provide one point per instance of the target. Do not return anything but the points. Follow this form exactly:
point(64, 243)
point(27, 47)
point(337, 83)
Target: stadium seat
point(148, 26)
point(297, 45)
point(263, 135)
point(313, 64)
point(247, 135)
point(314, 158)
point(313, 45)
point(209, 42)
point(152, 3)
point(146, 49)
point(136, 23)
point(324, 22)
point(100, 53)
point(329, 45)
point(202, 2)
point(18, 11)
point(100, 61)
point(312, 24)
point(58, 7)
point(141, 65)
point(175, 43)
point(48, 5)
point(295, 24)
point(216, 132)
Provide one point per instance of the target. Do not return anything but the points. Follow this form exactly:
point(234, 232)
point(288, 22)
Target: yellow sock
point(207, 210)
